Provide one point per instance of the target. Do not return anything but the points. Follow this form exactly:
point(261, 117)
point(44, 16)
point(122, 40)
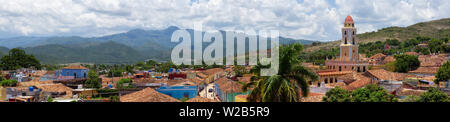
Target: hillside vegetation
point(434, 29)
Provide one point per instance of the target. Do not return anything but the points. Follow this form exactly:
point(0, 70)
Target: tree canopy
point(443, 73)
point(93, 81)
point(433, 95)
point(288, 85)
point(372, 93)
point(405, 63)
point(17, 58)
point(337, 95)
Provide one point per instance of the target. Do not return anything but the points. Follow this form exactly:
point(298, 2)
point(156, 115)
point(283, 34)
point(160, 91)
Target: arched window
point(353, 32)
point(345, 40)
point(353, 39)
point(340, 69)
point(345, 32)
point(326, 80)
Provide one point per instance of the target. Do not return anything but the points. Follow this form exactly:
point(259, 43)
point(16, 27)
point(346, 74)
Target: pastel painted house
point(75, 71)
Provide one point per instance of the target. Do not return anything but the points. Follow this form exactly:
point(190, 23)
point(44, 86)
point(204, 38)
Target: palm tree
point(291, 80)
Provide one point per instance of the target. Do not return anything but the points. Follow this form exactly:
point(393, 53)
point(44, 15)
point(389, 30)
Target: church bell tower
point(349, 42)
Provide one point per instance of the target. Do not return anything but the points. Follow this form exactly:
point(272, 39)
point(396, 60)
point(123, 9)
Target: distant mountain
point(434, 29)
point(148, 44)
point(106, 53)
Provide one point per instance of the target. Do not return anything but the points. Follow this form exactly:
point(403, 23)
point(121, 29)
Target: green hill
point(434, 29)
point(106, 53)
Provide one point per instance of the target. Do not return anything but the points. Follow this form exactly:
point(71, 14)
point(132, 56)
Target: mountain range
point(134, 45)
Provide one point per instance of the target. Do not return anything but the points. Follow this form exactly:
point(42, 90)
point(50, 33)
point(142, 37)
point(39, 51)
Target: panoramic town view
point(334, 55)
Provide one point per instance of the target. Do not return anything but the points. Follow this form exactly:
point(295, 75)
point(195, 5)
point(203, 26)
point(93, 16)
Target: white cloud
point(308, 19)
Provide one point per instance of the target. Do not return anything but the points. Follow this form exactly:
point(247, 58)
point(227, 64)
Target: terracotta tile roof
point(432, 60)
point(228, 86)
point(34, 83)
point(75, 67)
point(59, 88)
point(382, 74)
point(425, 70)
point(359, 83)
point(147, 95)
point(411, 53)
point(245, 78)
point(185, 83)
point(201, 99)
point(378, 56)
point(196, 80)
point(348, 78)
point(388, 59)
point(202, 75)
point(213, 71)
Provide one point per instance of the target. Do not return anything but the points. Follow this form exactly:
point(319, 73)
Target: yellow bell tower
point(349, 43)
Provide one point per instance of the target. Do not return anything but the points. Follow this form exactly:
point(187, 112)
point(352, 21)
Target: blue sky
point(300, 19)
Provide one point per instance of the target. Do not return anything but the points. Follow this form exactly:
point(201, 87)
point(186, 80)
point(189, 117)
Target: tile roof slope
point(387, 75)
point(411, 53)
point(147, 95)
point(213, 71)
point(60, 88)
point(426, 70)
point(228, 86)
point(360, 82)
point(348, 78)
point(377, 56)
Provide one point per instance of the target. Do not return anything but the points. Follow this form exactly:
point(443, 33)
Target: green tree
point(393, 42)
point(114, 98)
point(9, 83)
point(93, 81)
point(289, 83)
point(411, 98)
point(405, 63)
point(337, 95)
point(443, 73)
point(17, 58)
point(164, 67)
point(1, 76)
point(115, 72)
point(433, 95)
point(372, 93)
point(436, 45)
point(184, 99)
point(121, 83)
point(50, 99)
point(390, 66)
point(424, 51)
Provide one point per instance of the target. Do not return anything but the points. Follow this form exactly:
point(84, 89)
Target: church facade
point(349, 59)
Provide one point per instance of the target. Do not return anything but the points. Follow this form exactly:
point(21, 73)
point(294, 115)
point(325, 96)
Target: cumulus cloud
point(301, 19)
